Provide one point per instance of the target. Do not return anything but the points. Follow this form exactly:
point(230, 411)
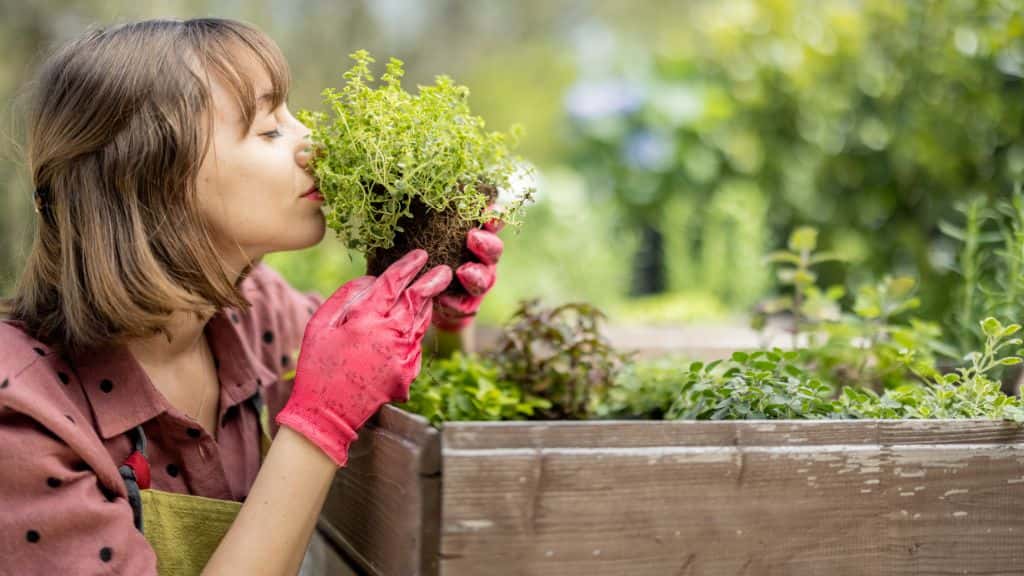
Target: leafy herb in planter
point(765, 384)
point(468, 388)
point(774, 385)
point(553, 363)
point(644, 389)
point(559, 354)
point(807, 303)
point(990, 264)
point(866, 346)
point(400, 171)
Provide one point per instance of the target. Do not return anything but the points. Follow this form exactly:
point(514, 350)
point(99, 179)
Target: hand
point(455, 312)
point(361, 349)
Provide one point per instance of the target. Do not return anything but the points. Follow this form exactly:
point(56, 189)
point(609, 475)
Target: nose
point(305, 150)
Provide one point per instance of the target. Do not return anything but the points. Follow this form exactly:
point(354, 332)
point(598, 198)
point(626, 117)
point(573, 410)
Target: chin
point(310, 236)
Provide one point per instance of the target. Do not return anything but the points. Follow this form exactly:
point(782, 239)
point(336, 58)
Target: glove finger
point(335, 309)
point(451, 305)
point(477, 278)
point(485, 245)
point(454, 313)
point(411, 365)
point(494, 225)
point(423, 321)
point(422, 292)
point(393, 281)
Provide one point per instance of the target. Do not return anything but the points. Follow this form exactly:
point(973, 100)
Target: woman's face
point(253, 184)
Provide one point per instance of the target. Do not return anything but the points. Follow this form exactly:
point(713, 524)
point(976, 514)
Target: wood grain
point(791, 498)
point(633, 497)
point(383, 507)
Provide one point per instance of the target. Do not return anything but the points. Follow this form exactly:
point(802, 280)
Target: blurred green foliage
point(720, 124)
point(869, 119)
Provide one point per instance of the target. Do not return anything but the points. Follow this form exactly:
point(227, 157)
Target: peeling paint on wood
point(638, 498)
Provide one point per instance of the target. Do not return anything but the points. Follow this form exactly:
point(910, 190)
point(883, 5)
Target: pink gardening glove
point(361, 350)
point(454, 313)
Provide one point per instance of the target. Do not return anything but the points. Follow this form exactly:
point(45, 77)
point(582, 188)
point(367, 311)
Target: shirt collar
point(122, 396)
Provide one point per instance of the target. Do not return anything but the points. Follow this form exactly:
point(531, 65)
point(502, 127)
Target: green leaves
point(378, 148)
point(559, 353)
point(464, 388)
point(771, 384)
point(552, 363)
point(803, 239)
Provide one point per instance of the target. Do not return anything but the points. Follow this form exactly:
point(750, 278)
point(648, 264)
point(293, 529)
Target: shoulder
point(20, 349)
point(42, 405)
point(63, 512)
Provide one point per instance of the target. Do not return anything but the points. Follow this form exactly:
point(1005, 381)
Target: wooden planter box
point(672, 498)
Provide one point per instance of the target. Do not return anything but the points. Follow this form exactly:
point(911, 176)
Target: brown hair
point(119, 123)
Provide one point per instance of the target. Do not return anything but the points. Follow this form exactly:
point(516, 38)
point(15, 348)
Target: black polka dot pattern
point(64, 378)
point(106, 386)
point(268, 337)
point(53, 482)
point(172, 470)
point(106, 554)
point(32, 536)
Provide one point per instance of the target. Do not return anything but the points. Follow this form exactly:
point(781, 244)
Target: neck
point(185, 331)
point(184, 338)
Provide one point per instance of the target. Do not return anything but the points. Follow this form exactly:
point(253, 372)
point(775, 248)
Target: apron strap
point(135, 473)
point(135, 470)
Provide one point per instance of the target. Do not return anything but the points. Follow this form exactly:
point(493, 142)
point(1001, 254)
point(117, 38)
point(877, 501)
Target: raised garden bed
point(681, 497)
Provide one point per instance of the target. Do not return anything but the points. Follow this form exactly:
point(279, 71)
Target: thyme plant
point(382, 148)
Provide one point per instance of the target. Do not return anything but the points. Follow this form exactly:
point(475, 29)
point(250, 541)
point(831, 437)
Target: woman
point(144, 339)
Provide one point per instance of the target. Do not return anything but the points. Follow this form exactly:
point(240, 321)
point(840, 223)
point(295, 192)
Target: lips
point(313, 194)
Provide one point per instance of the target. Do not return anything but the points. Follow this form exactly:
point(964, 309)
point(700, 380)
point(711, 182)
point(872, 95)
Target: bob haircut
point(120, 120)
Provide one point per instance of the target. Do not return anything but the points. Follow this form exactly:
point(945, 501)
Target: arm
point(360, 350)
point(288, 495)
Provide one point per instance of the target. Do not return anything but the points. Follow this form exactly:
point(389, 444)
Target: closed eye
point(275, 133)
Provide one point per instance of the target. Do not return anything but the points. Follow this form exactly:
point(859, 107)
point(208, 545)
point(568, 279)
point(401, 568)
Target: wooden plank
point(768, 498)
point(639, 434)
point(388, 492)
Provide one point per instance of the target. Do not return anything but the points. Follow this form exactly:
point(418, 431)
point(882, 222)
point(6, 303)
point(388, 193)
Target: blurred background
point(675, 143)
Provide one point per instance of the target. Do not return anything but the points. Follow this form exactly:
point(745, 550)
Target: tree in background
point(868, 119)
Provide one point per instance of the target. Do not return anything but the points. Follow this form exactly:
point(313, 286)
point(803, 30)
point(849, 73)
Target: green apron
point(184, 530)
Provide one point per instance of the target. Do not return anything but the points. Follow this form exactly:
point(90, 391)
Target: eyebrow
point(265, 99)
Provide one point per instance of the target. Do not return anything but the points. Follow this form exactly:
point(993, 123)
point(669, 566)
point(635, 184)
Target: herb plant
point(990, 264)
point(468, 388)
point(559, 354)
point(384, 155)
